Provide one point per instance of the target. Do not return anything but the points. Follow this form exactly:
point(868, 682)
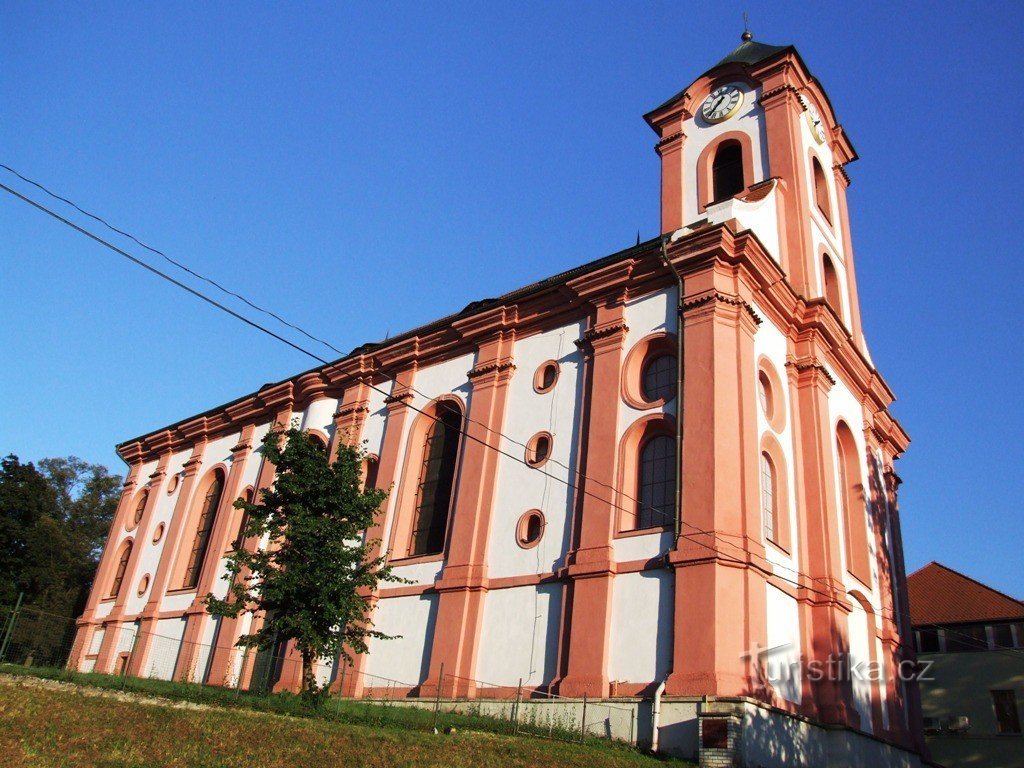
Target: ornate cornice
point(398, 398)
point(810, 369)
point(721, 298)
point(495, 367)
point(596, 336)
point(351, 410)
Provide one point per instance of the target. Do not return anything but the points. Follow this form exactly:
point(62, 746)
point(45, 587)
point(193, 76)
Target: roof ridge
point(972, 580)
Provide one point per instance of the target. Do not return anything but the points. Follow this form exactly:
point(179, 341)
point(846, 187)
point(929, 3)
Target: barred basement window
point(437, 482)
point(202, 540)
point(657, 482)
point(1007, 716)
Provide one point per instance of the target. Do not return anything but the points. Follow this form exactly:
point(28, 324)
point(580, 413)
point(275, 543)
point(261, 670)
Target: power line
point(253, 324)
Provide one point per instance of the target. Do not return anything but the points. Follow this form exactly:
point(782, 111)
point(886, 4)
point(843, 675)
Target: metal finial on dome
point(746, 37)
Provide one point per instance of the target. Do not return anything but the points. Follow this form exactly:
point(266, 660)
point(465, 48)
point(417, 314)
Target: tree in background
point(312, 578)
point(53, 522)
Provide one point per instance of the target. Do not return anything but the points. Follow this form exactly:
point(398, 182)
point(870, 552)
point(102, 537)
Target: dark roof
point(746, 53)
point(751, 52)
point(940, 595)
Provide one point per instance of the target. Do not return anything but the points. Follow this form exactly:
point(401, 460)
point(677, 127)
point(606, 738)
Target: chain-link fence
point(209, 670)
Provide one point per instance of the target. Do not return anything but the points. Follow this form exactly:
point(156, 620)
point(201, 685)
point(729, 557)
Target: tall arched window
point(821, 190)
point(201, 542)
point(852, 507)
point(437, 481)
point(122, 566)
point(371, 464)
point(727, 171)
point(831, 280)
point(656, 482)
point(769, 497)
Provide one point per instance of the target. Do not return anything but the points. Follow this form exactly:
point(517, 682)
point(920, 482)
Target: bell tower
point(755, 139)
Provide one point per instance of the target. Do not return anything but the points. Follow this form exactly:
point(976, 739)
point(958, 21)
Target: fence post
point(9, 633)
point(632, 726)
point(583, 720)
point(241, 672)
point(131, 655)
point(519, 699)
point(437, 696)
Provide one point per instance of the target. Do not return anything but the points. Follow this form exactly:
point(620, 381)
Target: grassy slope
point(40, 728)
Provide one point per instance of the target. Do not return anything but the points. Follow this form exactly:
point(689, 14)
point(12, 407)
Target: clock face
point(722, 103)
point(814, 120)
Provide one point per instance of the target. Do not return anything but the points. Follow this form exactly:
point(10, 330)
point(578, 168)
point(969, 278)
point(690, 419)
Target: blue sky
point(368, 168)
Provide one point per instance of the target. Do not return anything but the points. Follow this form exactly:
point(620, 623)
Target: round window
point(530, 528)
point(140, 508)
point(659, 378)
point(172, 484)
point(538, 449)
point(143, 584)
point(158, 533)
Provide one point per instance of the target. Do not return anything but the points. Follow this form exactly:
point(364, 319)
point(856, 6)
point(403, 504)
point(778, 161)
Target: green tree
point(53, 521)
point(312, 578)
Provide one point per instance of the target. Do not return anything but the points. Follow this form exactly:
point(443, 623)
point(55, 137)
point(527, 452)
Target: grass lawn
point(42, 725)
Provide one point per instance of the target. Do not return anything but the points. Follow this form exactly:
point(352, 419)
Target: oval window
point(538, 449)
point(765, 395)
point(546, 376)
point(530, 528)
point(659, 378)
point(158, 533)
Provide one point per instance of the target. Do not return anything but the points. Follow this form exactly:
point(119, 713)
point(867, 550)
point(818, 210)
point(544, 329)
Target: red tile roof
point(940, 595)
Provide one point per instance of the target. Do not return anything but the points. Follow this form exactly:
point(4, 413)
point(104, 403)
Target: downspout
point(656, 714)
point(678, 517)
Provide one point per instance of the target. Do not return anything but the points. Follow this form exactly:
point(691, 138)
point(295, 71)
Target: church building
point(664, 475)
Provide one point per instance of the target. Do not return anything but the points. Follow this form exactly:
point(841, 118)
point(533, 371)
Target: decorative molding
point(721, 298)
point(400, 398)
point(602, 332)
point(495, 367)
point(810, 366)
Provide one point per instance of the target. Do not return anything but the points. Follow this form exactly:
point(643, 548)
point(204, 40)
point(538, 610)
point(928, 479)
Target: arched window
point(122, 566)
point(437, 481)
point(851, 500)
point(201, 542)
point(821, 190)
point(239, 541)
point(656, 482)
point(769, 497)
point(370, 467)
point(727, 171)
point(831, 280)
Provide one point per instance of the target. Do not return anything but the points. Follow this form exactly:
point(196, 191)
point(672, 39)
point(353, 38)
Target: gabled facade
point(971, 637)
point(559, 522)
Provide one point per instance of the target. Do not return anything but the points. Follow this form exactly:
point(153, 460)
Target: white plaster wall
point(149, 558)
point(447, 377)
point(760, 217)
point(406, 658)
point(654, 313)
point(373, 427)
point(420, 573)
point(641, 626)
point(319, 414)
point(97, 641)
point(781, 662)
point(164, 649)
point(770, 342)
point(520, 487)
point(104, 608)
point(520, 635)
point(699, 134)
point(202, 657)
point(644, 547)
point(843, 405)
point(860, 658)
